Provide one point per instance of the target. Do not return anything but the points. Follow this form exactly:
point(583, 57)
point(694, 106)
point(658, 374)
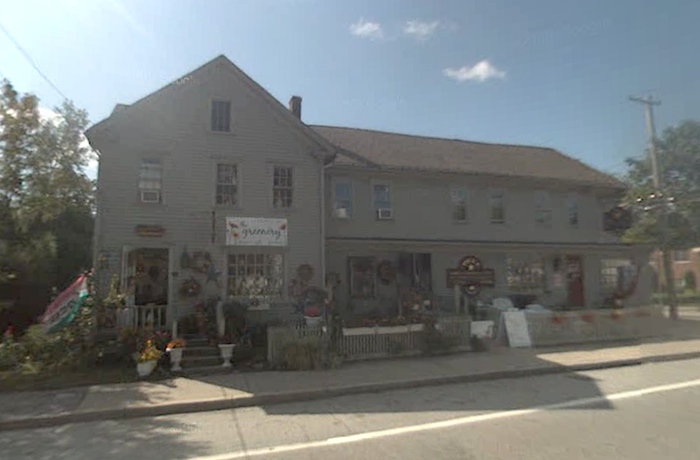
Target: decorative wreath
point(190, 288)
point(386, 272)
point(305, 272)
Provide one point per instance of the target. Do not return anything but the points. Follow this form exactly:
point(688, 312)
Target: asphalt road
point(641, 412)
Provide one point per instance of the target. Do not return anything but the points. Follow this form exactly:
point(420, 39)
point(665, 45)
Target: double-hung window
point(526, 274)
point(497, 206)
point(362, 274)
point(342, 200)
point(381, 198)
point(282, 187)
point(150, 181)
point(572, 208)
point(226, 184)
point(543, 209)
point(460, 204)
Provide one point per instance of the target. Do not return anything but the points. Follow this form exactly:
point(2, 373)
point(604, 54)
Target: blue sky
point(545, 72)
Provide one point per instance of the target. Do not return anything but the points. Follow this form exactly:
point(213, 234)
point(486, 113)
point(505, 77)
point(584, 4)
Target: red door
point(574, 276)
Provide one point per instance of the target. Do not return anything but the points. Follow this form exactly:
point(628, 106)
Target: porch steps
point(200, 357)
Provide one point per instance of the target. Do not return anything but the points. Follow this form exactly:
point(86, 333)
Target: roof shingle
point(409, 152)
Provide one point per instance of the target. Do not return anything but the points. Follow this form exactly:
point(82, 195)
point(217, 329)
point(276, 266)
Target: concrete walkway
point(181, 395)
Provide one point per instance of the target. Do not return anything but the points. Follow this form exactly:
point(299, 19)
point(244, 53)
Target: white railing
point(143, 317)
point(373, 342)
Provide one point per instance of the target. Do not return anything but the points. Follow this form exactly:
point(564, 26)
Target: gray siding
point(173, 125)
point(422, 210)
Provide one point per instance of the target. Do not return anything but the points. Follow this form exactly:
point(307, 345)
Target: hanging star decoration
point(213, 274)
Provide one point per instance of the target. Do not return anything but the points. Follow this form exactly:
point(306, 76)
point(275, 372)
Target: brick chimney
point(295, 106)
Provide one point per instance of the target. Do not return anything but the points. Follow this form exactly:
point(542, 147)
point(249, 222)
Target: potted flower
point(148, 359)
point(174, 349)
point(312, 315)
point(226, 345)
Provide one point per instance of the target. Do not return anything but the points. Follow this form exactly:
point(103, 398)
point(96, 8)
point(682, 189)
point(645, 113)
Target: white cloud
point(480, 72)
point(91, 169)
point(367, 29)
point(420, 30)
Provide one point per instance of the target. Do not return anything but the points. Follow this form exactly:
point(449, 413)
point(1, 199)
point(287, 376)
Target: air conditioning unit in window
point(150, 196)
point(385, 214)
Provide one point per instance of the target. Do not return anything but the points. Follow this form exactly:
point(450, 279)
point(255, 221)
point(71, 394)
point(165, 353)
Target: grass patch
point(17, 381)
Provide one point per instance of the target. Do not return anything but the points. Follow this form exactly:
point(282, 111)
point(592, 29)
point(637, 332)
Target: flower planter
point(226, 353)
point(313, 321)
point(176, 359)
point(146, 368)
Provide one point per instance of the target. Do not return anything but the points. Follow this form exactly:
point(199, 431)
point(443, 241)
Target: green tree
point(46, 202)
point(679, 165)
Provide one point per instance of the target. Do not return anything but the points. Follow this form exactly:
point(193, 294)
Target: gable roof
point(269, 99)
point(409, 152)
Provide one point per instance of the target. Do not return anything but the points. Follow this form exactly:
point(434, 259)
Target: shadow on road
point(119, 439)
point(494, 395)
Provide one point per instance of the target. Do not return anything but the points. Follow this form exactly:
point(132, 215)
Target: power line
point(31, 61)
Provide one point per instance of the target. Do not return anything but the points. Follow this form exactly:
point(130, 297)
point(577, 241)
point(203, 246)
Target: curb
point(281, 398)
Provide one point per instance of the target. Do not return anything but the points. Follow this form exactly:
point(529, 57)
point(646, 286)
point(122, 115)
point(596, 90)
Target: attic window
point(221, 116)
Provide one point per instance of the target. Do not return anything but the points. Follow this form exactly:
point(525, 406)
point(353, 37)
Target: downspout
point(323, 222)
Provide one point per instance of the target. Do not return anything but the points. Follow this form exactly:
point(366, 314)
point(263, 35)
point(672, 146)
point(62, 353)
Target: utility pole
point(649, 103)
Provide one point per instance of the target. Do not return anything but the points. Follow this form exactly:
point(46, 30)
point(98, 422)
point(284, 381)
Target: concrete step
point(197, 342)
point(206, 370)
point(201, 361)
point(190, 352)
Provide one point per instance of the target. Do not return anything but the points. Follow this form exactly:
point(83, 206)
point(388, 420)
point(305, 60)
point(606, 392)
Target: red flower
point(312, 311)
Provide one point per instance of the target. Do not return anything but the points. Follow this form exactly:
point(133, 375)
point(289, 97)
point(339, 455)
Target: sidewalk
point(22, 410)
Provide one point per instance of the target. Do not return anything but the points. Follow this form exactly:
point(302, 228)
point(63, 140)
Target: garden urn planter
point(145, 368)
point(176, 359)
point(226, 353)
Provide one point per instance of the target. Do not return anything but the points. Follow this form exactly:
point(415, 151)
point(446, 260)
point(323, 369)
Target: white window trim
point(391, 196)
point(573, 198)
point(467, 204)
point(162, 179)
point(337, 181)
point(546, 209)
point(215, 175)
point(271, 185)
point(266, 301)
point(504, 196)
point(529, 259)
point(230, 116)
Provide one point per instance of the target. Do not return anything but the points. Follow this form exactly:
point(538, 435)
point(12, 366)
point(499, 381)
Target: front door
point(574, 276)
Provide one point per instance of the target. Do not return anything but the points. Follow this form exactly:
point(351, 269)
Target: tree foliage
point(678, 151)
point(46, 202)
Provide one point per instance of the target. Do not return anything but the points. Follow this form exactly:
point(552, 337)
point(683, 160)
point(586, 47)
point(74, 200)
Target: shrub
point(434, 341)
point(302, 354)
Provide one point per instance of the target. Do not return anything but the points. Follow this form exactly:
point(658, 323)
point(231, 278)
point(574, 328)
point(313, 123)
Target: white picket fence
point(372, 342)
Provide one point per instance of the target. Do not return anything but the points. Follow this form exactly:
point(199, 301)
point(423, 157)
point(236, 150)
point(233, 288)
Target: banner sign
point(256, 231)
point(62, 310)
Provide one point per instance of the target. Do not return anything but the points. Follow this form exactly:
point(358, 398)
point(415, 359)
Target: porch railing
point(143, 317)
